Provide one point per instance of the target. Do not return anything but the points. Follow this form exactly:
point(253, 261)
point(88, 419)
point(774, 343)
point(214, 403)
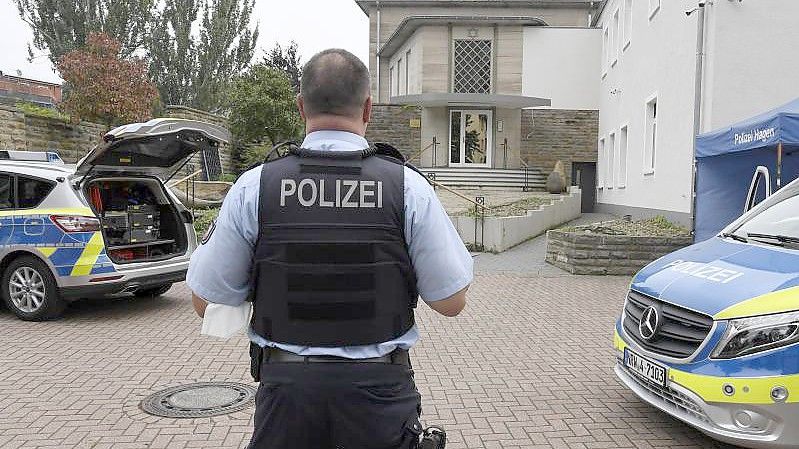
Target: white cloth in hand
point(225, 321)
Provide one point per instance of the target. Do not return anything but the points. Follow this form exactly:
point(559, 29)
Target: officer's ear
point(301, 106)
point(367, 109)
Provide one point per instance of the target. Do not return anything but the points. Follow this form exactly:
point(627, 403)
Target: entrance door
point(470, 139)
point(584, 176)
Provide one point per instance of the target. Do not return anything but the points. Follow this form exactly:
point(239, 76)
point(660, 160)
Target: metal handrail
point(419, 153)
point(185, 178)
point(458, 194)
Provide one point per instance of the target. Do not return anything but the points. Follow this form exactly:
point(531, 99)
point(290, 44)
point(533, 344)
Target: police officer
point(334, 244)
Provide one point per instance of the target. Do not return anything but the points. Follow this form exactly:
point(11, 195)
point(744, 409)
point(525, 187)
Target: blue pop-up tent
point(727, 158)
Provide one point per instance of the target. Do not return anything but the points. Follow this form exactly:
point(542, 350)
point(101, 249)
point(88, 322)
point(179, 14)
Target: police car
point(709, 333)
point(106, 226)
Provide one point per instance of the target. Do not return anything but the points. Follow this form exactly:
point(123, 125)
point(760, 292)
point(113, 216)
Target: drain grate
point(199, 400)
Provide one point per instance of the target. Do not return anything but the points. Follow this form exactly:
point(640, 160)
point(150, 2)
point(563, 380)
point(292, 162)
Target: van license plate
point(645, 368)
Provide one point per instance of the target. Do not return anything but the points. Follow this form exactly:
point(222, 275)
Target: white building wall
point(652, 57)
point(563, 64)
point(752, 59)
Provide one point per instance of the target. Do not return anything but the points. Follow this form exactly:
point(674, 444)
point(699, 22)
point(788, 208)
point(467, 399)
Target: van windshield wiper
point(782, 239)
point(736, 237)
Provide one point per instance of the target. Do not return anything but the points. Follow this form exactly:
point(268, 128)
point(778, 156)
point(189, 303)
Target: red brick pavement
point(528, 365)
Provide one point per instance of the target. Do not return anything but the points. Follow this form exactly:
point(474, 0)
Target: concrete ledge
point(501, 233)
point(580, 253)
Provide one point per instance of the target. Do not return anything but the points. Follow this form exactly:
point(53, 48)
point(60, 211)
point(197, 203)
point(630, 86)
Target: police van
point(104, 227)
point(710, 334)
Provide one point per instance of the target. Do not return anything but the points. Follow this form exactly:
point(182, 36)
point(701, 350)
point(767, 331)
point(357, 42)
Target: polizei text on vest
point(342, 193)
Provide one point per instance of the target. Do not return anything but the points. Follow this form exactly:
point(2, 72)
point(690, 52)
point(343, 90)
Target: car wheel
point(30, 291)
point(153, 291)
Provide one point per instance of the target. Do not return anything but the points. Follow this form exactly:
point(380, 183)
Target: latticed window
point(472, 64)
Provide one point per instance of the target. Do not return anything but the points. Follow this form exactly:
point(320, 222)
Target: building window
point(650, 149)
point(628, 23)
point(600, 182)
point(654, 7)
point(605, 51)
point(400, 82)
point(610, 182)
point(407, 71)
point(615, 39)
point(391, 84)
point(471, 66)
point(622, 157)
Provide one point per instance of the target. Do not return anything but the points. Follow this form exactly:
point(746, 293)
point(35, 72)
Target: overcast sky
point(313, 24)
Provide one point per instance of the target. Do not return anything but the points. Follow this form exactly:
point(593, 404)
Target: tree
point(60, 26)
point(192, 68)
point(262, 110)
point(103, 85)
point(287, 60)
point(194, 47)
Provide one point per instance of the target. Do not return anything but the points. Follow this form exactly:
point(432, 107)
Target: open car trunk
point(139, 221)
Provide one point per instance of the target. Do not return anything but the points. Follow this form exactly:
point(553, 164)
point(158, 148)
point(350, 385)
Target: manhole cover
point(199, 400)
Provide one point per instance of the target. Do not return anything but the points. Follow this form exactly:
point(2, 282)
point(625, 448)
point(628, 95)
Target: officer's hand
point(451, 306)
point(199, 304)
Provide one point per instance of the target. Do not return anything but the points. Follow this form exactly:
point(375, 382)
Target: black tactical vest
point(331, 263)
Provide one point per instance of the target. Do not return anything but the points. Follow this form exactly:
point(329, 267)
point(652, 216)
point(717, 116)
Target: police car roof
point(38, 169)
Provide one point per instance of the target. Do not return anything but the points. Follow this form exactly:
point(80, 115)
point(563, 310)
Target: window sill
point(649, 172)
point(622, 187)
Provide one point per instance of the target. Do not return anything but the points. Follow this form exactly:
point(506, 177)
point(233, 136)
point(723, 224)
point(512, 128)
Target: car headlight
point(747, 336)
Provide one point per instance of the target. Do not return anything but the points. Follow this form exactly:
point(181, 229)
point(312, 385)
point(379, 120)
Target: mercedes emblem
point(649, 323)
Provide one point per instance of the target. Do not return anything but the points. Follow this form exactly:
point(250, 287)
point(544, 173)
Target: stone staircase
point(480, 178)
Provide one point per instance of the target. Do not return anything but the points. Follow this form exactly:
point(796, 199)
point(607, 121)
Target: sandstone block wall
point(580, 253)
point(19, 131)
point(392, 124)
point(549, 135)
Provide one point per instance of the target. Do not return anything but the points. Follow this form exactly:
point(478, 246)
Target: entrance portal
point(470, 138)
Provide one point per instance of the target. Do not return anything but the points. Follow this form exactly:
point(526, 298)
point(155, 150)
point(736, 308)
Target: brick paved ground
point(528, 364)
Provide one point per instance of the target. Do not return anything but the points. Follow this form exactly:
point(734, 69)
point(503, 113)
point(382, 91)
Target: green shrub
point(204, 220)
point(663, 223)
point(41, 111)
point(228, 177)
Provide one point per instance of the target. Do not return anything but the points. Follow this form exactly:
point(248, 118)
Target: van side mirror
point(761, 178)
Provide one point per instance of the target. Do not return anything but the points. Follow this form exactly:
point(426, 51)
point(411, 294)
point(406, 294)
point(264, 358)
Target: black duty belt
point(275, 355)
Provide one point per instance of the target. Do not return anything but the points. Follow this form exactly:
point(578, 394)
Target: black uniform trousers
point(336, 405)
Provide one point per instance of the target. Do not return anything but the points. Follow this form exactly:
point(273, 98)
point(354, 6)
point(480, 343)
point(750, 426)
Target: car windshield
point(780, 219)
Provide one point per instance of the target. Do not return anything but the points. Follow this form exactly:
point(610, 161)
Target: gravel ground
point(653, 227)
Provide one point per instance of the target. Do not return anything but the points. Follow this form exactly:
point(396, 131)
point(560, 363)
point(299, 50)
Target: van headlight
point(747, 336)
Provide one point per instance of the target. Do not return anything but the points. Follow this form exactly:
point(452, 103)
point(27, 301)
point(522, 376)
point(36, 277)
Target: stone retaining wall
point(19, 131)
point(500, 233)
point(580, 253)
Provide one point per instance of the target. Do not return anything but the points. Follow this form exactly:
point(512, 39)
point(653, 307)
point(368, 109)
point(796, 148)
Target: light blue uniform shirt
point(220, 270)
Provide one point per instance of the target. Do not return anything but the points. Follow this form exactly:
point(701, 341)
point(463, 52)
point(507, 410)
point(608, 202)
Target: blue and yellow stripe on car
point(786, 300)
point(71, 254)
point(748, 390)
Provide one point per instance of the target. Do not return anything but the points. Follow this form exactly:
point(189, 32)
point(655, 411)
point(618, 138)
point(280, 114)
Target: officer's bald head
point(334, 82)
